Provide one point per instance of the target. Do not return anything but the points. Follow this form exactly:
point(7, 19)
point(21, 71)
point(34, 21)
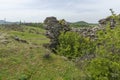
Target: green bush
point(106, 65)
point(109, 41)
point(103, 69)
point(72, 45)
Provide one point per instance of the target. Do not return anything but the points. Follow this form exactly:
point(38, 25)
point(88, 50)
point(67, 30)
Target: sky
point(71, 10)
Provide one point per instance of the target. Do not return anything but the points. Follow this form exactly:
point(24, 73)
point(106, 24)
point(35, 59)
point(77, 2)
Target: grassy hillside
point(24, 60)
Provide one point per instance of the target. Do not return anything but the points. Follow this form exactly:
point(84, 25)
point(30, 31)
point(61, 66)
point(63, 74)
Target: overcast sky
point(70, 10)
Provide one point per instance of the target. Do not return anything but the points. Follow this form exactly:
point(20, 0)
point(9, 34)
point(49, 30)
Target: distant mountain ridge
point(5, 22)
point(81, 22)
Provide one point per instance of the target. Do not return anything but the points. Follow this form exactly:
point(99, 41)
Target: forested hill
point(82, 24)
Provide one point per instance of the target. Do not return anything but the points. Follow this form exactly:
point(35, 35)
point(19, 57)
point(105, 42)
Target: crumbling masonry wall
point(53, 29)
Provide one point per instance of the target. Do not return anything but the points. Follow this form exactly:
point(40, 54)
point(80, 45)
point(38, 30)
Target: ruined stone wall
point(53, 28)
point(91, 32)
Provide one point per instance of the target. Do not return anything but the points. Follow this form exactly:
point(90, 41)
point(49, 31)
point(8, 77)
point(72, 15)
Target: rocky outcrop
point(20, 40)
point(54, 27)
point(105, 21)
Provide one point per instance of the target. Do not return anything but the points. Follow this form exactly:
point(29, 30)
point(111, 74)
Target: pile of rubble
point(88, 32)
point(91, 32)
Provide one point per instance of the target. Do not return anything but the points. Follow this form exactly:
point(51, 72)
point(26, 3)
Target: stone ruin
point(54, 27)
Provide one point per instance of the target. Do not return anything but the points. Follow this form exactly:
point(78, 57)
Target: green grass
point(21, 61)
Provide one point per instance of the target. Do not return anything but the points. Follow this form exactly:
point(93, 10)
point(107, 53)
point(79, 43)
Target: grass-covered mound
point(25, 60)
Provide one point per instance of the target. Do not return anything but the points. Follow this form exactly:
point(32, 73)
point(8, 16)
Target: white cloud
point(71, 10)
